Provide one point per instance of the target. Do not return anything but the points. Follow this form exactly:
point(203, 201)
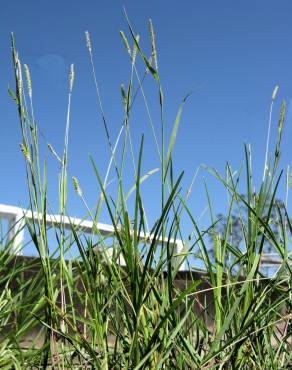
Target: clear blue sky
point(232, 53)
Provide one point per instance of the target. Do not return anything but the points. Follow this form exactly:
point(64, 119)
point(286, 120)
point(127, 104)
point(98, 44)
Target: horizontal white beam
point(16, 216)
point(11, 213)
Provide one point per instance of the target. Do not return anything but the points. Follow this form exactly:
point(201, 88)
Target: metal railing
point(17, 217)
point(16, 223)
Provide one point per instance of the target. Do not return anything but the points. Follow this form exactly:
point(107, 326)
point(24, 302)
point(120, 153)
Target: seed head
point(71, 78)
point(19, 78)
point(282, 116)
point(275, 92)
point(88, 43)
point(135, 48)
point(76, 186)
point(28, 80)
point(25, 152)
point(152, 40)
point(125, 42)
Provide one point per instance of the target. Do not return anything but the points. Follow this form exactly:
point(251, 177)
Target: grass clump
point(91, 312)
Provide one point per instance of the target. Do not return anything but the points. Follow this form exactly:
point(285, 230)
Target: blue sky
point(231, 54)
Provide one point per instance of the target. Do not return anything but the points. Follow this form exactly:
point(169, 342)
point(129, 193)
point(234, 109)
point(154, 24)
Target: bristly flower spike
point(28, 80)
point(76, 186)
point(275, 92)
point(88, 43)
point(71, 78)
point(25, 152)
point(19, 78)
point(135, 49)
point(152, 40)
point(125, 41)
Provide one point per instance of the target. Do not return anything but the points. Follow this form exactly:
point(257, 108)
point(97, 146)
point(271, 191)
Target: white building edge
point(17, 217)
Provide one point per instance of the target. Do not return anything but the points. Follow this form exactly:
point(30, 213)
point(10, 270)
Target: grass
point(92, 313)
